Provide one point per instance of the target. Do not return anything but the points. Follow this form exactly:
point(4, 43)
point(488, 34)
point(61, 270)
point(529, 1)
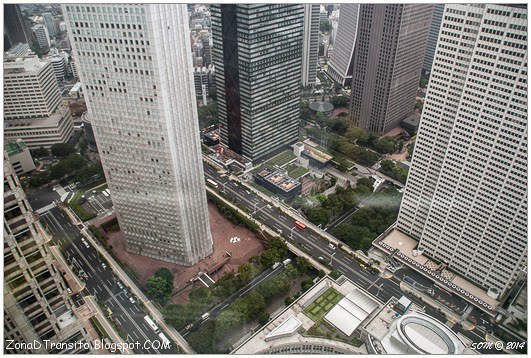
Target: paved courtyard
point(241, 243)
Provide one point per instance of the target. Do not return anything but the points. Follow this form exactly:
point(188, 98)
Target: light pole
point(331, 257)
point(291, 233)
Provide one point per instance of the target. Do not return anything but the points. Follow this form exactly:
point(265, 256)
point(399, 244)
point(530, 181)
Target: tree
point(367, 182)
point(318, 215)
point(270, 257)
point(306, 284)
point(212, 93)
point(75, 161)
point(62, 149)
point(158, 289)
point(246, 273)
point(291, 271)
point(166, 274)
point(410, 149)
point(288, 300)
point(339, 126)
point(203, 340)
point(177, 315)
point(263, 318)
point(83, 145)
point(58, 170)
point(385, 145)
point(324, 26)
point(305, 112)
point(201, 295)
point(302, 264)
point(39, 179)
point(39, 152)
point(339, 101)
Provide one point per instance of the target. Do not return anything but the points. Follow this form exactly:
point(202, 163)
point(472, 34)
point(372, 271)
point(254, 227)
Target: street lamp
point(291, 233)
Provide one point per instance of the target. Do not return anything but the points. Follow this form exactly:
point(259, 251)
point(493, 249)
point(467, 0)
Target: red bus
point(300, 225)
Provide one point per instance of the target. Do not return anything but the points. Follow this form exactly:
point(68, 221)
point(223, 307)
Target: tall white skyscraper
point(466, 195)
point(135, 64)
point(310, 46)
point(40, 32)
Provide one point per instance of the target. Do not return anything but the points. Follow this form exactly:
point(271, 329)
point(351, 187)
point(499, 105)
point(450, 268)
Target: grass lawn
point(83, 214)
point(323, 304)
point(280, 159)
point(295, 171)
point(262, 189)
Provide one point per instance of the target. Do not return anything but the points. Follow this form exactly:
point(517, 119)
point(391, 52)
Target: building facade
point(37, 306)
point(466, 196)
point(40, 33)
point(19, 157)
point(387, 64)
point(257, 51)
point(340, 65)
point(438, 10)
point(310, 46)
point(15, 30)
point(142, 107)
point(50, 24)
point(33, 108)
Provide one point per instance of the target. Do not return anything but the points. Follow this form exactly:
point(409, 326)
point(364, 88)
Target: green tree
point(39, 179)
point(246, 273)
point(367, 182)
point(324, 26)
point(302, 264)
point(158, 289)
point(291, 271)
point(75, 161)
point(204, 339)
point(306, 284)
point(201, 295)
point(318, 215)
point(39, 152)
point(263, 318)
point(269, 257)
point(62, 149)
point(410, 149)
point(177, 315)
point(385, 145)
point(339, 125)
point(58, 170)
point(228, 320)
point(165, 274)
point(83, 145)
point(339, 101)
point(305, 112)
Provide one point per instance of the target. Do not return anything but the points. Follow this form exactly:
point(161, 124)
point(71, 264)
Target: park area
point(323, 304)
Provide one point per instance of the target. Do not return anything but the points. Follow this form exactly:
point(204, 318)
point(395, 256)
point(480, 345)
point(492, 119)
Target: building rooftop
point(289, 328)
point(214, 135)
point(21, 65)
point(36, 123)
point(280, 180)
point(316, 154)
point(353, 309)
point(405, 247)
point(13, 148)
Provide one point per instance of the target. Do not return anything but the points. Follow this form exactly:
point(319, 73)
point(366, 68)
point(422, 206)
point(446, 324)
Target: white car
point(132, 300)
point(103, 265)
point(331, 246)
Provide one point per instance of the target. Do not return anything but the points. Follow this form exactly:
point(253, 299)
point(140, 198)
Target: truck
point(151, 324)
point(300, 225)
point(205, 316)
point(212, 183)
point(164, 339)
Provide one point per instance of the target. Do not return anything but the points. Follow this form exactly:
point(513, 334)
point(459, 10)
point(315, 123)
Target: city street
point(383, 288)
point(102, 283)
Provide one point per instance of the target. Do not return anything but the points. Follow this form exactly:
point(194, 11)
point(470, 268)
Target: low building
point(289, 332)
point(76, 91)
point(19, 50)
point(41, 132)
point(316, 158)
point(20, 157)
point(211, 138)
point(278, 183)
point(411, 123)
point(59, 67)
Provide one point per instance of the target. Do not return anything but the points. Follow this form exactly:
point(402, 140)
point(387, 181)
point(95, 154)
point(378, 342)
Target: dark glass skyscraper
point(15, 30)
point(257, 51)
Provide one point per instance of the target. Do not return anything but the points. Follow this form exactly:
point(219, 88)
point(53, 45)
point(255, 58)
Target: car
point(125, 292)
point(69, 290)
point(132, 300)
point(86, 244)
point(320, 258)
point(103, 265)
point(330, 245)
point(120, 285)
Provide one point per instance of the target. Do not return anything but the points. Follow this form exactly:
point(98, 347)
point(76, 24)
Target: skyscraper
point(387, 61)
point(310, 46)
point(136, 68)
point(438, 10)
point(50, 24)
point(340, 65)
point(466, 195)
point(15, 30)
point(257, 52)
point(36, 303)
point(40, 33)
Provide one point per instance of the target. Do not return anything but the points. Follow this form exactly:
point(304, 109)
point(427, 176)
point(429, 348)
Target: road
point(220, 307)
point(102, 283)
point(313, 244)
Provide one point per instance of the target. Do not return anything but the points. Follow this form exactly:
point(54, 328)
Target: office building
point(257, 51)
point(40, 33)
point(19, 157)
point(310, 46)
point(142, 107)
point(50, 24)
point(37, 306)
point(207, 50)
point(387, 62)
point(33, 108)
point(59, 66)
point(466, 196)
point(345, 37)
point(19, 50)
point(204, 79)
point(15, 30)
point(438, 10)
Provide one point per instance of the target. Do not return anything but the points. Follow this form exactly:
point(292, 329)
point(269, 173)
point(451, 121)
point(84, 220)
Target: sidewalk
point(154, 312)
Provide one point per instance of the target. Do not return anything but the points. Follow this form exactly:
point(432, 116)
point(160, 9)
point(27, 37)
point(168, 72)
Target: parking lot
point(97, 202)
